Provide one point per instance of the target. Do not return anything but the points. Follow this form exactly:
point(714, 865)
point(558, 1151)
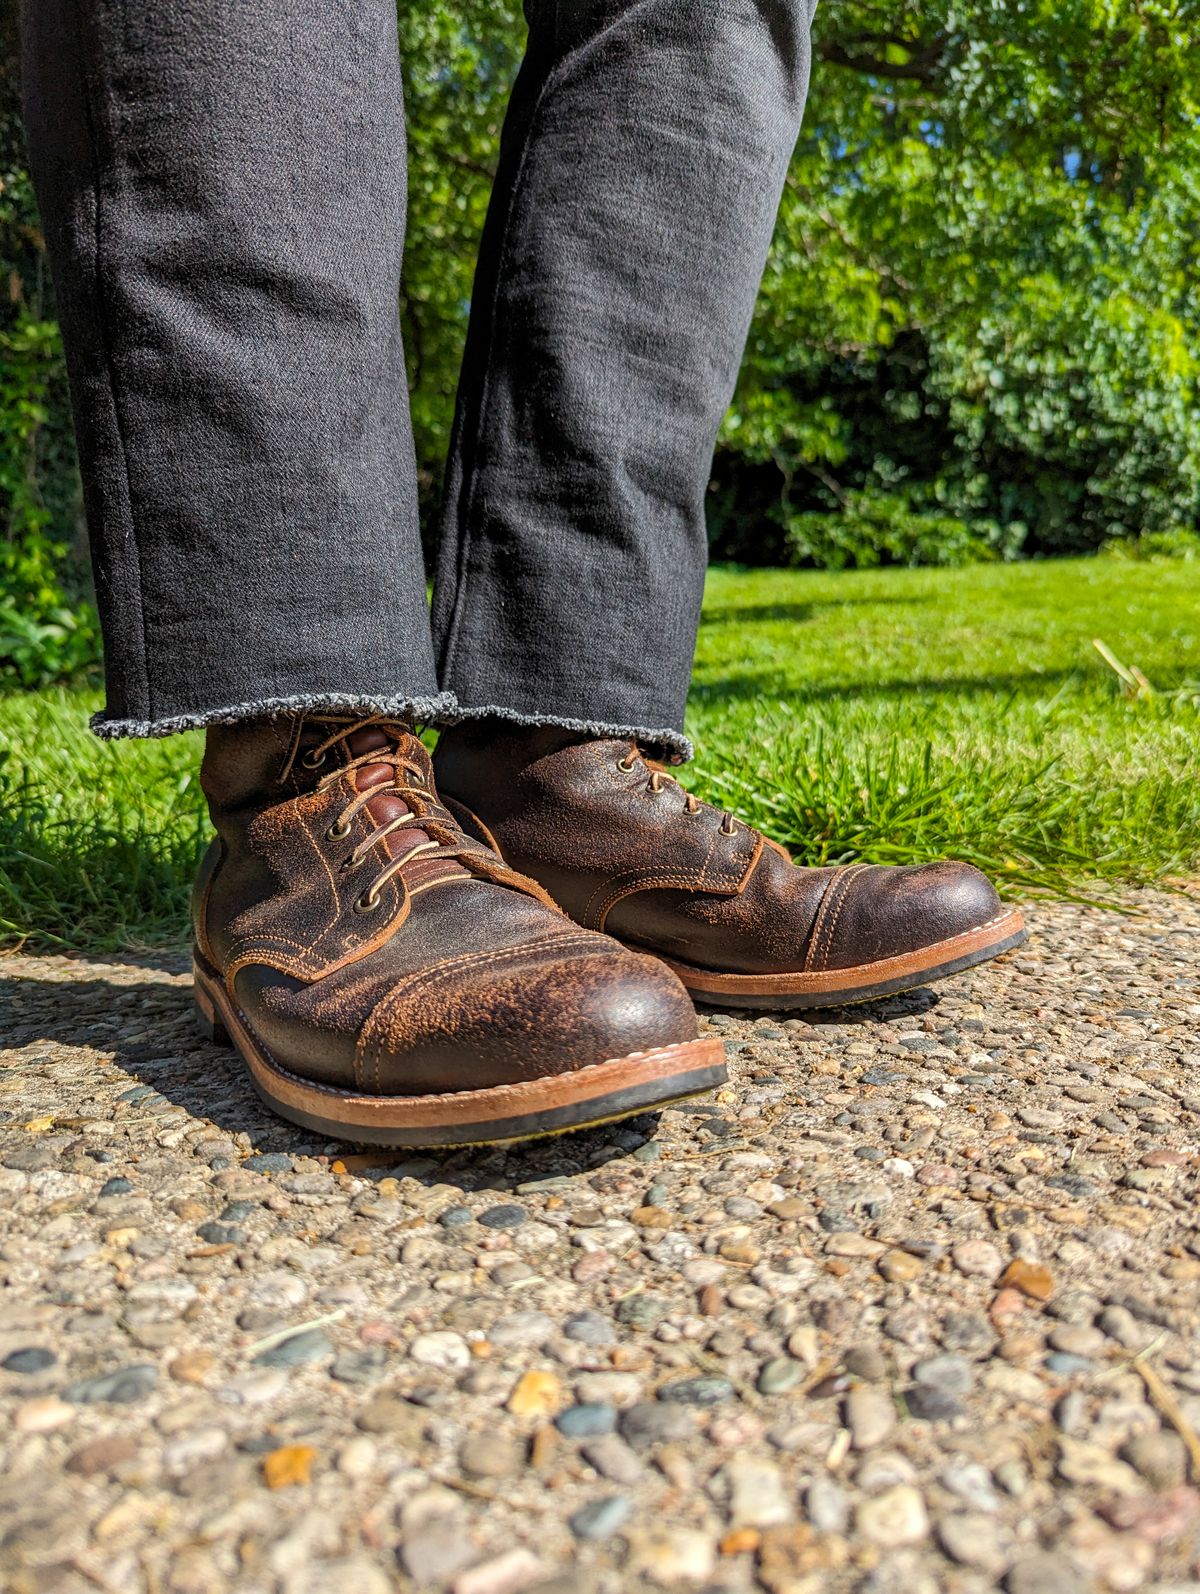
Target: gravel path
point(912, 1307)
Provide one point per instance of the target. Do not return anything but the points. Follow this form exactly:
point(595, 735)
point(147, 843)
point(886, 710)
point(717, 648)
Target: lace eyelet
point(366, 903)
point(731, 831)
point(311, 762)
point(337, 832)
point(625, 768)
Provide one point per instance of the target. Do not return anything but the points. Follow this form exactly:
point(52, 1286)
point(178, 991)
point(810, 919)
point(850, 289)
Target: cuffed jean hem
point(674, 744)
point(440, 709)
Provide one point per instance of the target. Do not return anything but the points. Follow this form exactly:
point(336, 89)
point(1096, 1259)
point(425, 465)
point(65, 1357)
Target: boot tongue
point(390, 805)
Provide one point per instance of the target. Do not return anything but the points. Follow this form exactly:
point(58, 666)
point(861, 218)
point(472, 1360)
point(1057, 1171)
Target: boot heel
point(209, 1020)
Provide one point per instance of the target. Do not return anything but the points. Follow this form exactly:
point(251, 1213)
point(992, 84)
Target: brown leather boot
point(623, 848)
point(386, 978)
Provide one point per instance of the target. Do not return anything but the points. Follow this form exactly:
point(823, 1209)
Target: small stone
point(102, 1455)
point(456, 1217)
point(192, 1366)
point(1085, 1462)
point(288, 1465)
point(973, 1539)
point(491, 1455)
point(928, 1403)
point(269, 1162)
point(870, 1415)
point(779, 1375)
point(899, 1267)
point(668, 1555)
point(298, 1350)
point(435, 1552)
point(642, 1310)
point(586, 1421)
point(537, 1394)
point(1030, 1278)
point(894, 1519)
point(602, 1518)
point(827, 1505)
point(707, 1391)
point(503, 1217)
point(1160, 1458)
point(30, 1359)
point(866, 1362)
point(1047, 1572)
point(977, 1259)
point(509, 1573)
point(115, 1186)
point(43, 1415)
point(125, 1385)
point(652, 1422)
point(589, 1328)
point(612, 1458)
point(950, 1373)
point(757, 1497)
point(359, 1366)
point(442, 1348)
point(522, 1329)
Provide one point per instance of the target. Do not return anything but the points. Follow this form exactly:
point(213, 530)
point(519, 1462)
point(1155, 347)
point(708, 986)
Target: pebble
point(894, 1519)
point(757, 1495)
point(491, 1455)
point(589, 1328)
point(1160, 1458)
point(268, 1162)
point(870, 1416)
point(779, 1375)
point(298, 1350)
point(669, 1555)
point(650, 1422)
point(503, 1217)
point(537, 1394)
point(585, 1422)
point(123, 1386)
point(827, 1505)
point(508, 1573)
point(976, 1540)
point(43, 1415)
point(30, 1359)
point(441, 1348)
point(612, 1458)
point(977, 1259)
point(600, 1519)
point(708, 1391)
point(899, 1267)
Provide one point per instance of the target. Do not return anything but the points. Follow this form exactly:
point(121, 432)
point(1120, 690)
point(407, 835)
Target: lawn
point(888, 715)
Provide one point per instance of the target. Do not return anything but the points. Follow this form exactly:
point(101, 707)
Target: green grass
point(889, 715)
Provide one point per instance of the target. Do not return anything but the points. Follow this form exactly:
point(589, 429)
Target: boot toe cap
point(888, 912)
point(521, 1021)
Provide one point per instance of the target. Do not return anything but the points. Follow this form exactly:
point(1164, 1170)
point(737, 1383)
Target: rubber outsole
point(864, 983)
point(525, 1110)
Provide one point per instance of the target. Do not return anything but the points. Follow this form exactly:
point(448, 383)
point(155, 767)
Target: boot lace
point(659, 774)
point(446, 839)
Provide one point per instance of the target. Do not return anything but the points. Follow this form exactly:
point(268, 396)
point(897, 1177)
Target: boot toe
point(522, 1020)
point(888, 912)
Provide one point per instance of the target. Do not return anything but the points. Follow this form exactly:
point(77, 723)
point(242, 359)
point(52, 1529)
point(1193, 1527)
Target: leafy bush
point(883, 529)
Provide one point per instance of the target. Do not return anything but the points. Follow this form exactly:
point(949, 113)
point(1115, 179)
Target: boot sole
point(527, 1110)
point(863, 983)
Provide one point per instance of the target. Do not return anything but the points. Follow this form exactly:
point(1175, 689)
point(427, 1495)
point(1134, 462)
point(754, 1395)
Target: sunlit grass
point(888, 715)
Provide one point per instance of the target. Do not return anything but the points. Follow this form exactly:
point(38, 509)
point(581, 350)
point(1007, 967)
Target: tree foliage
point(979, 331)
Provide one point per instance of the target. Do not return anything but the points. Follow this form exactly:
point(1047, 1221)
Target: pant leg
point(642, 164)
point(222, 185)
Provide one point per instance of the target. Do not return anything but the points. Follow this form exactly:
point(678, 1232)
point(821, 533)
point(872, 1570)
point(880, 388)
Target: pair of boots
point(519, 955)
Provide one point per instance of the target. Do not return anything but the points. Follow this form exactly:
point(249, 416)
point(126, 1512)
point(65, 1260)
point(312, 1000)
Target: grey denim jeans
point(222, 187)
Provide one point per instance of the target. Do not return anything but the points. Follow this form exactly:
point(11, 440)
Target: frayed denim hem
point(440, 709)
point(674, 743)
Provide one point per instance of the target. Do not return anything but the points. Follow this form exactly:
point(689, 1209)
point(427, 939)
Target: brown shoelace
point(444, 836)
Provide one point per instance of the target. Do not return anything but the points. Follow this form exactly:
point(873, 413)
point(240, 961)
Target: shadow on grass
point(768, 688)
point(799, 613)
point(139, 1018)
